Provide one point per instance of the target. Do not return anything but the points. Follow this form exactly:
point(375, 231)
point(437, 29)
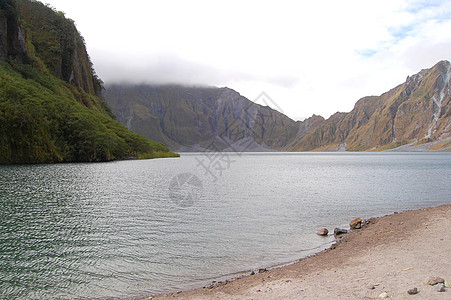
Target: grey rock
point(440, 287)
point(339, 231)
point(412, 291)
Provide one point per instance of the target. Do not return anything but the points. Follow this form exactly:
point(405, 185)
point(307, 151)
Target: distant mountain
point(51, 106)
point(199, 118)
point(417, 111)
point(206, 118)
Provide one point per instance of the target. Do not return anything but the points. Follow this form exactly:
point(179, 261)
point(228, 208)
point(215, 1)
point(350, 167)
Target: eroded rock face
point(59, 45)
point(12, 41)
point(417, 110)
point(3, 38)
point(200, 118)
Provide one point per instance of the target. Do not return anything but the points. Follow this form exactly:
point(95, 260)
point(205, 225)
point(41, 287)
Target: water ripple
point(83, 231)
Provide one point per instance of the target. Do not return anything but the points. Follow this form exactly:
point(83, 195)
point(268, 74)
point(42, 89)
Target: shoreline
point(404, 240)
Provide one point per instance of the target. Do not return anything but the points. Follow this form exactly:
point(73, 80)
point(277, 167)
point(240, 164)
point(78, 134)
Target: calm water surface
point(136, 228)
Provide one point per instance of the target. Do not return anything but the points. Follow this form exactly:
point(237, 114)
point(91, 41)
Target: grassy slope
point(41, 121)
point(44, 119)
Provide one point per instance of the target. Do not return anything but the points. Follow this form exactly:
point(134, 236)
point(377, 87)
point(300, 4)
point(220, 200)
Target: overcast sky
point(310, 57)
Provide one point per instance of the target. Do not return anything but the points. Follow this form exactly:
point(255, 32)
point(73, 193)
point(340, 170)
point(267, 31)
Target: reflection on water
point(135, 228)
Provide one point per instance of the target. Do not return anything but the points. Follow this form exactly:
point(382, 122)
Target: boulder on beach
point(356, 223)
point(323, 232)
point(339, 231)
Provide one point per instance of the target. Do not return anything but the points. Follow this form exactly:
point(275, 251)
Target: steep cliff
point(416, 110)
point(12, 42)
point(55, 42)
point(50, 109)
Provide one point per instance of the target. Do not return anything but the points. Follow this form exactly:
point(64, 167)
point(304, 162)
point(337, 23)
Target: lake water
point(136, 228)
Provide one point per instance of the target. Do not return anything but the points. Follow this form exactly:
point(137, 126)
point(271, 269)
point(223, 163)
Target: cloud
point(310, 56)
point(166, 69)
point(415, 20)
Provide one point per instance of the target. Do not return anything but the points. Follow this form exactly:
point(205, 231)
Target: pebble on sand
point(440, 287)
point(412, 291)
point(433, 280)
point(384, 295)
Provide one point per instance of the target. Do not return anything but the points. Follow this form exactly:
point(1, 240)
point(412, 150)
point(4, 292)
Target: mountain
point(199, 118)
point(207, 118)
point(51, 105)
point(416, 111)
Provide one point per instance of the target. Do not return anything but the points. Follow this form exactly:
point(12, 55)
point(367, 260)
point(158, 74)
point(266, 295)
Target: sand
point(390, 254)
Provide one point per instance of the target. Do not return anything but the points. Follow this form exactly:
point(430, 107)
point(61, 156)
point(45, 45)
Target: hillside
point(200, 118)
point(417, 111)
point(51, 107)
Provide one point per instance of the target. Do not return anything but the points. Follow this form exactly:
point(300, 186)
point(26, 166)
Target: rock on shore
point(323, 232)
point(356, 223)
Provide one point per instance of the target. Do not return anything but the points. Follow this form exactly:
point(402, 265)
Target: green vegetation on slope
point(41, 121)
point(54, 44)
point(49, 108)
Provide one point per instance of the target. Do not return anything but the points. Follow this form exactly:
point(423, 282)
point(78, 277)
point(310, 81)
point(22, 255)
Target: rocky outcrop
point(12, 42)
point(54, 42)
point(414, 111)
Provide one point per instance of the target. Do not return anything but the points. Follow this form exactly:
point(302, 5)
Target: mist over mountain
point(199, 118)
point(220, 119)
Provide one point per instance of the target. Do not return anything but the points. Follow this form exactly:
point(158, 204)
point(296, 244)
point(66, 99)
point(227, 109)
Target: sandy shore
point(391, 254)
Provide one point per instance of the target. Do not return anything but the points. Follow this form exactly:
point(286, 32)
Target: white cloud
point(310, 57)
